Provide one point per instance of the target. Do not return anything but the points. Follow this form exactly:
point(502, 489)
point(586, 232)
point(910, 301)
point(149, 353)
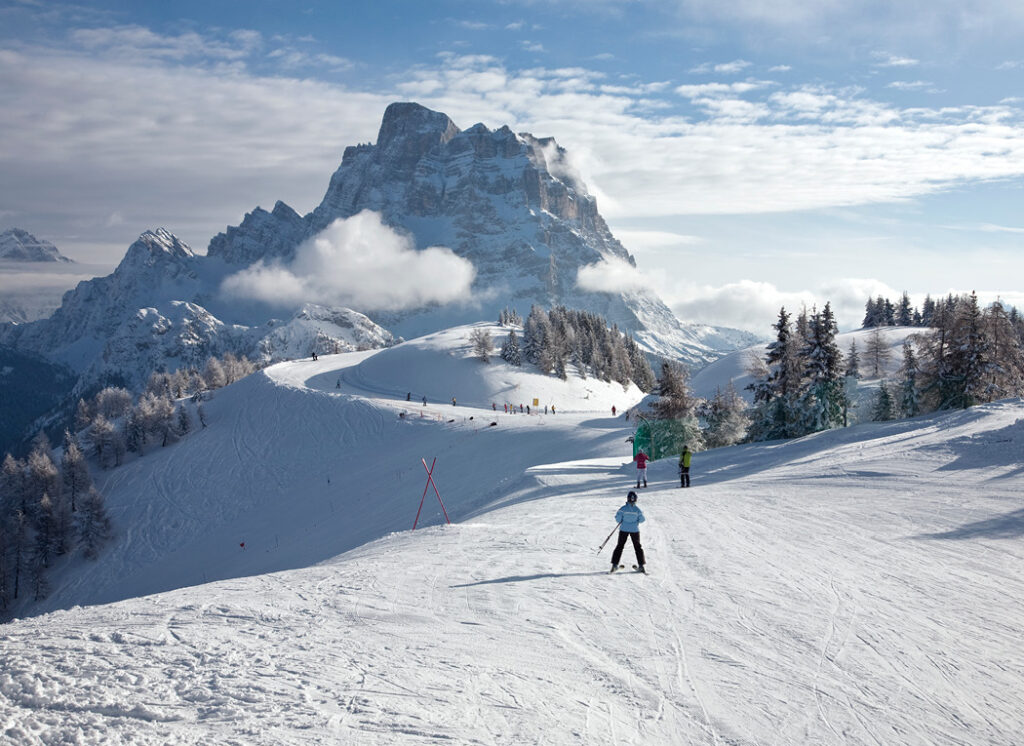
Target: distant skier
point(641, 468)
point(684, 467)
point(424, 401)
point(613, 410)
point(408, 397)
point(629, 517)
point(453, 401)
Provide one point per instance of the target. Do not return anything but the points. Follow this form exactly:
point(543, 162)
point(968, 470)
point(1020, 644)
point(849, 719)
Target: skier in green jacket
point(684, 467)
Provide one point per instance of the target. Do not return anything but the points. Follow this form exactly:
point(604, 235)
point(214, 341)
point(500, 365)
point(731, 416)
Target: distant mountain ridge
point(17, 245)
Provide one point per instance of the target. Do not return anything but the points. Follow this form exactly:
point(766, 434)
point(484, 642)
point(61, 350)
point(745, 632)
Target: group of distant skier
point(630, 516)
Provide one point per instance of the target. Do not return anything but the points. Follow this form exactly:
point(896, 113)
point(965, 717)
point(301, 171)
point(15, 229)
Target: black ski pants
point(684, 476)
point(635, 536)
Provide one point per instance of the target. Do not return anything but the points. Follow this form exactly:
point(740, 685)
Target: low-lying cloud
point(358, 263)
point(611, 275)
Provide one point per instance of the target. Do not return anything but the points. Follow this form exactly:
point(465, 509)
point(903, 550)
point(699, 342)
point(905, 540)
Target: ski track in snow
point(856, 587)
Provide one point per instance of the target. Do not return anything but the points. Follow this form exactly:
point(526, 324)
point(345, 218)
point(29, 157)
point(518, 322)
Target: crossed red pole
point(430, 483)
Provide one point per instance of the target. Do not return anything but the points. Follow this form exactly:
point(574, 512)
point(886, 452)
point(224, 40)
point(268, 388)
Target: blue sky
point(749, 154)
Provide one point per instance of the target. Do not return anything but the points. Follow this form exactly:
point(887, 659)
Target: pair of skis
point(637, 568)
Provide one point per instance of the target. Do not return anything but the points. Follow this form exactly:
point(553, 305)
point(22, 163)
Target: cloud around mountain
point(358, 262)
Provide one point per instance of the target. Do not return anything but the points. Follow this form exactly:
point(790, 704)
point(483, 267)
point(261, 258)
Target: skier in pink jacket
point(641, 468)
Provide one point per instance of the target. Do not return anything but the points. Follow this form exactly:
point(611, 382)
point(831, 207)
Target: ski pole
point(609, 536)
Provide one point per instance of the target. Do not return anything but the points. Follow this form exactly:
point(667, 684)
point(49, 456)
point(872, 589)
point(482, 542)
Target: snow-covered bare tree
point(877, 353)
point(482, 344)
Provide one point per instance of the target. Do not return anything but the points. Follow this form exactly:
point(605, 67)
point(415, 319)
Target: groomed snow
point(857, 586)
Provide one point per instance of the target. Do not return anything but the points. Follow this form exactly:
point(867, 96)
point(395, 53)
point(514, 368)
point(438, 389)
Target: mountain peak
point(21, 246)
point(405, 120)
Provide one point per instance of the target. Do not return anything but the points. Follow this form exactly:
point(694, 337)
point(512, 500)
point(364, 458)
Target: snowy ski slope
point(862, 586)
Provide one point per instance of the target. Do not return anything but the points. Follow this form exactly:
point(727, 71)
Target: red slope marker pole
point(430, 483)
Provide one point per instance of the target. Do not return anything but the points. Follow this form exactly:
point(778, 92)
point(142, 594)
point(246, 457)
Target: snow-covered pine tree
point(536, 333)
point(904, 311)
point(510, 350)
point(885, 407)
point(969, 353)
point(853, 361)
point(641, 372)
point(93, 524)
point(823, 396)
point(1005, 369)
point(726, 418)
point(909, 401)
point(184, 426)
point(776, 412)
point(927, 311)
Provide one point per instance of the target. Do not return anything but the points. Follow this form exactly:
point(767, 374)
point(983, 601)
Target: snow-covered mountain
point(508, 203)
point(17, 245)
point(121, 327)
point(857, 586)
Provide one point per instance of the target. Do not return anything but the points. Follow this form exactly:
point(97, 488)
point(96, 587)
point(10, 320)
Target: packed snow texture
point(858, 586)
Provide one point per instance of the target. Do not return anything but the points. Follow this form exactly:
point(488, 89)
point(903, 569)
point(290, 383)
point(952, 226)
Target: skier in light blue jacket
point(629, 517)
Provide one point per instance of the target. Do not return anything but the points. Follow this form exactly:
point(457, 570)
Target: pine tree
point(184, 421)
point(904, 311)
point(536, 332)
point(853, 361)
point(726, 418)
point(93, 525)
point(675, 400)
point(909, 403)
point(970, 353)
point(884, 408)
point(510, 351)
point(823, 399)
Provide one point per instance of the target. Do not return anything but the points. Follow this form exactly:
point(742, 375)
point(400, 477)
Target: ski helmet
point(631, 497)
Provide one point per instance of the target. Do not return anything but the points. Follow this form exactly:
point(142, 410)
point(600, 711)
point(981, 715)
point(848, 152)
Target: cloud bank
point(358, 263)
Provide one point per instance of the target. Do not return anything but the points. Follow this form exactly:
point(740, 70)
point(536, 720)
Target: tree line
point(805, 383)
point(557, 339)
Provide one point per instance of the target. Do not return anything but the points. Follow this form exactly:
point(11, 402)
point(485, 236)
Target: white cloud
point(890, 60)
point(611, 275)
point(362, 264)
point(724, 68)
point(754, 306)
point(653, 240)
